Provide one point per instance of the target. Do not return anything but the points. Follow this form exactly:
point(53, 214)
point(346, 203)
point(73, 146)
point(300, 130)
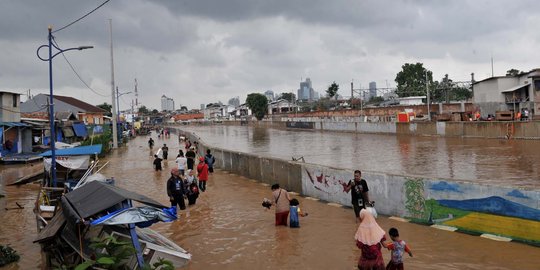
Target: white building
point(411, 100)
point(167, 104)
point(505, 93)
point(281, 106)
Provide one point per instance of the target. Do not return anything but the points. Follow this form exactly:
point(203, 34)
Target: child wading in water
point(398, 247)
point(294, 212)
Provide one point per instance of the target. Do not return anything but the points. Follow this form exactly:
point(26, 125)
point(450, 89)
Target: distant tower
point(372, 90)
point(136, 96)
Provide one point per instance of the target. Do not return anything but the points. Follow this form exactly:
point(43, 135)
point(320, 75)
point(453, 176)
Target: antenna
point(491, 65)
point(136, 95)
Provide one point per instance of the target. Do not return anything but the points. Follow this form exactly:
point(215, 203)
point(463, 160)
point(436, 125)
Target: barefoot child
point(397, 246)
point(295, 211)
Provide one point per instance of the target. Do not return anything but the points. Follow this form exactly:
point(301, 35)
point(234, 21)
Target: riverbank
point(506, 211)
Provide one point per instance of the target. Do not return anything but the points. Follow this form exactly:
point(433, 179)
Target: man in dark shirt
point(359, 193)
point(176, 189)
point(165, 150)
point(190, 155)
point(157, 163)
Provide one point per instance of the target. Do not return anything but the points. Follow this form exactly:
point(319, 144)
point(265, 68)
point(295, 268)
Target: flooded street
point(491, 161)
point(229, 229)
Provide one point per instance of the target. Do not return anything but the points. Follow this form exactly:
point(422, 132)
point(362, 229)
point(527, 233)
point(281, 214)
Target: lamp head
point(84, 47)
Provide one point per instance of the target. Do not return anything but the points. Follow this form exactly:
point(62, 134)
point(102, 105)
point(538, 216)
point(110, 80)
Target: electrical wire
point(81, 17)
point(5, 109)
point(76, 73)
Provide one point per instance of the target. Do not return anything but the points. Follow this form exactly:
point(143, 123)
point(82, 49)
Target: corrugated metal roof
point(14, 124)
point(76, 151)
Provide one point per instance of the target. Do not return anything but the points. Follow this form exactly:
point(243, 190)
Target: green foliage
point(110, 254)
point(414, 196)
point(8, 255)
point(161, 264)
point(102, 139)
point(107, 107)
point(143, 110)
point(411, 80)
point(514, 72)
point(447, 90)
point(258, 103)
point(288, 96)
point(332, 90)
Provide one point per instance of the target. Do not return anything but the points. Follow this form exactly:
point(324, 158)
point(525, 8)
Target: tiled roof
point(79, 104)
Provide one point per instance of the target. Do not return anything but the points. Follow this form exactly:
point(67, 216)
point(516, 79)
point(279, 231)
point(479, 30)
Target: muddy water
point(229, 229)
point(501, 162)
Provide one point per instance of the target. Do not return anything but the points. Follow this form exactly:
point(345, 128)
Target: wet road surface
point(229, 229)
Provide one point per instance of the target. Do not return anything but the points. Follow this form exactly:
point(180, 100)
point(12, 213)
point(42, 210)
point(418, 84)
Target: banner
point(70, 162)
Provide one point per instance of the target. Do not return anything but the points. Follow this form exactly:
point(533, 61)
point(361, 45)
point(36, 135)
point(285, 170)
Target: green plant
point(110, 254)
point(8, 255)
point(102, 139)
point(161, 264)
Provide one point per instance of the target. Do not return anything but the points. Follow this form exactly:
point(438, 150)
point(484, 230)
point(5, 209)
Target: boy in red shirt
point(202, 169)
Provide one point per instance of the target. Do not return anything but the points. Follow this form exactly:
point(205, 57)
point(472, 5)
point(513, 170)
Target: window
point(14, 101)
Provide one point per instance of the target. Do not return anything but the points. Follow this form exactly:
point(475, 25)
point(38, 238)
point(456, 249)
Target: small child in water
point(398, 247)
point(294, 212)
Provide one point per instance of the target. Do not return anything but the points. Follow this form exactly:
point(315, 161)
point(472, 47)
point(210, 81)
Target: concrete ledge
point(444, 228)
point(496, 237)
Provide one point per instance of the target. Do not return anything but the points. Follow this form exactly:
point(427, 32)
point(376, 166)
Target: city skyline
point(214, 50)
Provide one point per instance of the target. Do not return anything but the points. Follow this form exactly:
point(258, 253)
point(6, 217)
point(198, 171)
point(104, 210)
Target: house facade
point(508, 93)
point(14, 134)
point(87, 113)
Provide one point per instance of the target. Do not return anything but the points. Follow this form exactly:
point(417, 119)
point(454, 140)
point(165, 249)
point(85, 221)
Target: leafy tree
point(332, 90)
point(183, 109)
point(258, 103)
point(155, 111)
point(288, 96)
point(411, 80)
point(107, 107)
point(447, 90)
point(143, 110)
point(514, 72)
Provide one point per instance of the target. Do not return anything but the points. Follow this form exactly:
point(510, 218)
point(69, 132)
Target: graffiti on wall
point(506, 212)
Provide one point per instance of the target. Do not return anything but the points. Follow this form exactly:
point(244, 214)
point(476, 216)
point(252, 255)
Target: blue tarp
point(80, 130)
point(76, 151)
point(142, 217)
point(14, 124)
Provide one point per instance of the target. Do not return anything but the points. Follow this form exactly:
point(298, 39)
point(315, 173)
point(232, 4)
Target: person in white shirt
point(181, 161)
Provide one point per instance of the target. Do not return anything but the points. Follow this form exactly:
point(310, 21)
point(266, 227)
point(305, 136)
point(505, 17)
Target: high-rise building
point(269, 94)
point(306, 92)
point(235, 101)
point(372, 90)
point(167, 103)
point(203, 106)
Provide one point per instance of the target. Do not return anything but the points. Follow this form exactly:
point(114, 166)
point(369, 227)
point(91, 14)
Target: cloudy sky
point(204, 51)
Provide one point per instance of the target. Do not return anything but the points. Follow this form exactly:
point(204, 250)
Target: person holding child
point(281, 200)
point(398, 247)
point(369, 239)
point(294, 212)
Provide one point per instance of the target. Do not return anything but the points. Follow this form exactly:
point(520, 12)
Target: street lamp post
point(51, 104)
point(118, 95)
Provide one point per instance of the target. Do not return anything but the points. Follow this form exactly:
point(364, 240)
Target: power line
point(78, 76)
point(5, 109)
point(81, 17)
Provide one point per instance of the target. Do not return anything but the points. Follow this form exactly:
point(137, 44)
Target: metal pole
point(114, 127)
point(427, 91)
point(117, 105)
point(51, 113)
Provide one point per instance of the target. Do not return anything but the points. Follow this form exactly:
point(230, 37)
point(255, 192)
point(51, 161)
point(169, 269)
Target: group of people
point(286, 208)
point(370, 237)
point(186, 180)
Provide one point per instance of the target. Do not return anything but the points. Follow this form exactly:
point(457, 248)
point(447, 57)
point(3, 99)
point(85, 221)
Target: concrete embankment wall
point(493, 129)
point(476, 208)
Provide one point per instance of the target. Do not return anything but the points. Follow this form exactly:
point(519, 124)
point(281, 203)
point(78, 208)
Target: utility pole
point(113, 95)
point(352, 93)
point(427, 91)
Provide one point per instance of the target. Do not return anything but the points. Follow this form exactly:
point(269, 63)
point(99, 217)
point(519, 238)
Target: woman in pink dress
point(368, 239)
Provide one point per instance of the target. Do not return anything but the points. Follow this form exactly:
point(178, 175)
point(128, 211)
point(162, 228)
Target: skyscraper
point(372, 90)
point(235, 101)
point(269, 94)
point(306, 92)
point(167, 104)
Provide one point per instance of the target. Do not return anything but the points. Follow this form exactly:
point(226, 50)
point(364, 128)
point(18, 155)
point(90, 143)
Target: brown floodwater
point(229, 229)
point(489, 161)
